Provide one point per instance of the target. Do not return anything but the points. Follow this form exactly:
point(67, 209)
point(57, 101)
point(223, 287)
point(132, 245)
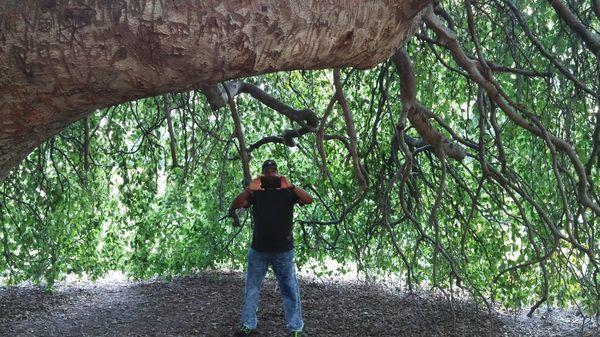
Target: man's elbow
point(307, 200)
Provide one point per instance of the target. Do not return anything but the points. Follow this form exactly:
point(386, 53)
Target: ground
point(208, 305)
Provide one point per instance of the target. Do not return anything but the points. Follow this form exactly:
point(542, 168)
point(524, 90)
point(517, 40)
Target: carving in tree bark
point(60, 60)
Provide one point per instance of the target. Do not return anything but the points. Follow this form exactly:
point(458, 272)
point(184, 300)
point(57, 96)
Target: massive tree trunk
point(60, 59)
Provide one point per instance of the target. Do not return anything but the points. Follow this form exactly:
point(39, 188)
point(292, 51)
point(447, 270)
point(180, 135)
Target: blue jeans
point(284, 266)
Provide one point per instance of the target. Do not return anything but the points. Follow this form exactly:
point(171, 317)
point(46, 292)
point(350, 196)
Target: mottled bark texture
point(60, 60)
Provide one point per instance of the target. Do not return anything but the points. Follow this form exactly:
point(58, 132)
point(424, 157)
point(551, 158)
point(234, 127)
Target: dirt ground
point(209, 304)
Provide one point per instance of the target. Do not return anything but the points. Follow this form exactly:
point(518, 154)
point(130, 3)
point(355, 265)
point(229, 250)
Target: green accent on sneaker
point(296, 334)
point(244, 331)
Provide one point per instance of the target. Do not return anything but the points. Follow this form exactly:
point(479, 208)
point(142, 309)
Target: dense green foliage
point(132, 210)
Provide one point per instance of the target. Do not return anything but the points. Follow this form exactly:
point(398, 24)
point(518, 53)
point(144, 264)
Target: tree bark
point(61, 59)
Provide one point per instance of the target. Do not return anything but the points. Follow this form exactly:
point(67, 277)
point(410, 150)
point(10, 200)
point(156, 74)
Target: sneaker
point(296, 334)
point(243, 331)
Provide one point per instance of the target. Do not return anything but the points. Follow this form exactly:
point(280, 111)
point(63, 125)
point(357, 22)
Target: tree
point(467, 157)
point(62, 59)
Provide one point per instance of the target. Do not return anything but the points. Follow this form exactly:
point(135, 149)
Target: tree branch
point(416, 113)
point(239, 134)
point(448, 38)
point(172, 139)
point(86, 144)
point(350, 130)
point(217, 98)
point(545, 52)
point(591, 39)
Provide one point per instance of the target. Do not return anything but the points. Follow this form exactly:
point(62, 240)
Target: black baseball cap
point(269, 163)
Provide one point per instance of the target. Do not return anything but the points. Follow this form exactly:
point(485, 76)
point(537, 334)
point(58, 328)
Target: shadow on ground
point(209, 305)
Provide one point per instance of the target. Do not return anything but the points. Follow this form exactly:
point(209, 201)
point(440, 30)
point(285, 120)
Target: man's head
point(269, 168)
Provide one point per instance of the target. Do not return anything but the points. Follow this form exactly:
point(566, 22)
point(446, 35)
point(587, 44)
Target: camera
point(270, 183)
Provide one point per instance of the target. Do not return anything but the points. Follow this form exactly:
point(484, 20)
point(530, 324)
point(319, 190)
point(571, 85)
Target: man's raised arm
point(242, 199)
point(303, 197)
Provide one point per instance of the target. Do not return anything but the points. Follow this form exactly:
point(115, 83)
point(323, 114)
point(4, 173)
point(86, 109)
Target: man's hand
point(254, 185)
point(234, 217)
point(285, 183)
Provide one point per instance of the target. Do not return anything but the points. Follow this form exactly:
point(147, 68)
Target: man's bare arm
point(303, 197)
point(242, 199)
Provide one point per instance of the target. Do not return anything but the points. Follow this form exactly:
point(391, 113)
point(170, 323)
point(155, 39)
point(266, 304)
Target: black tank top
point(273, 212)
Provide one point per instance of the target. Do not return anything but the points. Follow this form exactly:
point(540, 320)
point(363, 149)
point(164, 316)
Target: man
point(272, 198)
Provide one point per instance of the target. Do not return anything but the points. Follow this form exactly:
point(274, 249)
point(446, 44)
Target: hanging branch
point(545, 52)
point(86, 144)
point(350, 130)
point(595, 153)
point(5, 247)
point(239, 134)
point(591, 39)
point(173, 141)
point(433, 220)
point(418, 115)
point(409, 106)
point(448, 38)
point(320, 137)
point(481, 108)
point(494, 67)
point(408, 97)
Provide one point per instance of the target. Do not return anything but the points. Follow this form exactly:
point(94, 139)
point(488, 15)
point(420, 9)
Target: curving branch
point(419, 115)
point(217, 98)
point(239, 134)
point(86, 145)
point(568, 74)
point(350, 130)
point(448, 38)
point(172, 137)
point(591, 39)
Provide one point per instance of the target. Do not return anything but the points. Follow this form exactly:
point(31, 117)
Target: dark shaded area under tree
point(208, 305)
